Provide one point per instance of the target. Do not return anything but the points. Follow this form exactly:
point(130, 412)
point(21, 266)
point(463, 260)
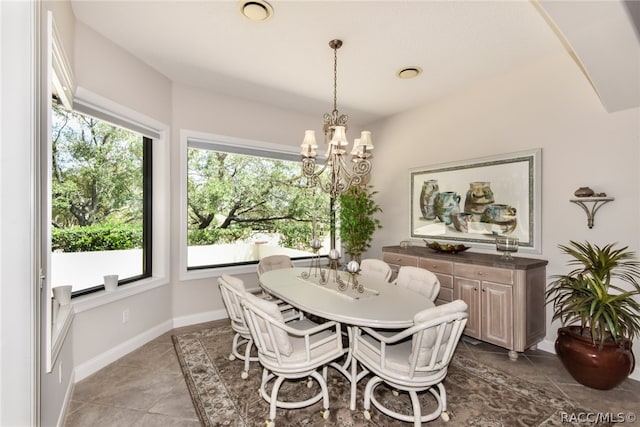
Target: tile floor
point(146, 387)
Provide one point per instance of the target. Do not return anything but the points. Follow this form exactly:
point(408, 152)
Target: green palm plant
point(587, 295)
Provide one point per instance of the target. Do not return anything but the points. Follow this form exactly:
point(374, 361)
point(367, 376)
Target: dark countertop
point(491, 260)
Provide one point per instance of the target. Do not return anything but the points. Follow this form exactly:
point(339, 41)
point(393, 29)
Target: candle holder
point(315, 266)
point(334, 257)
point(353, 268)
point(507, 245)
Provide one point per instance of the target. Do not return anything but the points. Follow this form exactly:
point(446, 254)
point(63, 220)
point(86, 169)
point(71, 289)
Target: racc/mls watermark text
point(595, 418)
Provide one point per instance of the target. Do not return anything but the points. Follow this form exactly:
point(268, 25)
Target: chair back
point(290, 347)
point(274, 262)
point(375, 268)
point(266, 324)
point(415, 354)
point(436, 335)
point(419, 280)
point(233, 292)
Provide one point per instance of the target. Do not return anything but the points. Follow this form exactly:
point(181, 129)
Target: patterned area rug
point(476, 394)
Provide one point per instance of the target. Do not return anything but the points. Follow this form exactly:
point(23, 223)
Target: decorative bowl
point(449, 248)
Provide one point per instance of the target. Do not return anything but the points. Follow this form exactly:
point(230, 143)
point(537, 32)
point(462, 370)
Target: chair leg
point(417, 412)
point(274, 398)
point(234, 346)
point(368, 393)
point(416, 418)
point(247, 358)
point(443, 401)
point(324, 390)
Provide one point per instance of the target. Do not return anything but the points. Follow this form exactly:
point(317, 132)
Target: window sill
point(207, 273)
point(97, 299)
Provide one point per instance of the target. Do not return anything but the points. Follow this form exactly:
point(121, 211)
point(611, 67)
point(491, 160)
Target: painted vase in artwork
point(479, 196)
point(501, 215)
point(427, 197)
point(445, 204)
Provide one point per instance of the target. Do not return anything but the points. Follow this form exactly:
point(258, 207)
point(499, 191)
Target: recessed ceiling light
point(256, 11)
point(409, 72)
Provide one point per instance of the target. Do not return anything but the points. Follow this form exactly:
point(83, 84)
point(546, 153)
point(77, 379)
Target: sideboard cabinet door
point(496, 306)
point(467, 290)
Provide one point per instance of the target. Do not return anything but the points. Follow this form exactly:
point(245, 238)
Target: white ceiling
point(287, 61)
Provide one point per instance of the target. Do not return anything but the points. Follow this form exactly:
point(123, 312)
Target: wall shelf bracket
point(594, 204)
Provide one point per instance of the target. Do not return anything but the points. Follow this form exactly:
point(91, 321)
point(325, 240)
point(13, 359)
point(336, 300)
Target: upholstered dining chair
point(233, 291)
point(413, 360)
point(419, 280)
point(274, 262)
point(375, 268)
point(290, 351)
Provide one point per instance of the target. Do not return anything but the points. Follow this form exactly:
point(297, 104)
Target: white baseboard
point(67, 400)
point(94, 365)
point(194, 319)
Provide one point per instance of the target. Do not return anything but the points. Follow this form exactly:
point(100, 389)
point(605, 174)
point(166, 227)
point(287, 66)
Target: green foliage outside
point(106, 237)
point(96, 172)
point(232, 197)
point(96, 183)
point(357, 221)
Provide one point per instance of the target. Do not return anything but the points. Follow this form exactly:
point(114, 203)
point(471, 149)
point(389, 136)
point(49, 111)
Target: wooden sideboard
point(505, 297)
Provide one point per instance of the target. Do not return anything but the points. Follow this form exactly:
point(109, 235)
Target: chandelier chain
point(335, 79)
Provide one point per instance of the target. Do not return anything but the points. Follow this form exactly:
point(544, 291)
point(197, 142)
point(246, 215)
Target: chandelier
point(341, 175)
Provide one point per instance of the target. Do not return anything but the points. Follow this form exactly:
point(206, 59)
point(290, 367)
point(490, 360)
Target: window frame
point(233, 145)
point(161, 185)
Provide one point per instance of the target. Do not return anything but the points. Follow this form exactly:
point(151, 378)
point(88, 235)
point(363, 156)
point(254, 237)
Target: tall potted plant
point(357, 221)
point(600, 316)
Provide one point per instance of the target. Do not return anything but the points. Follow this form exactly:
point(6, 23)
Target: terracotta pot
point(602, 369)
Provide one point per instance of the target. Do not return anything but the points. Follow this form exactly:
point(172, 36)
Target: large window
point(244, 204)
point(100, 202)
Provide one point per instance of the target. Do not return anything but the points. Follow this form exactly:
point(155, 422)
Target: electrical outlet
point(125, 316)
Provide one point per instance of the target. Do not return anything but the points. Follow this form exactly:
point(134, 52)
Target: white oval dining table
point(382, 305)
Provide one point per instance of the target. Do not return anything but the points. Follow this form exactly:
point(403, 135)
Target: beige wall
point(548, 105)
point(111, 72)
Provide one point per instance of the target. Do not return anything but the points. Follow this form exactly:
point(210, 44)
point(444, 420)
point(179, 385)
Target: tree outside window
point(243, 207)
point(98, 201)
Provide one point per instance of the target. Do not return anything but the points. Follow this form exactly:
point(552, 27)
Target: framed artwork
point(474, 201)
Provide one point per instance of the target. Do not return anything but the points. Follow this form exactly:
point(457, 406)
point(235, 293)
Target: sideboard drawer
point(481, 272)
point(400, 259)
point(436, 265)
point(445, 294)
point(445, 280)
